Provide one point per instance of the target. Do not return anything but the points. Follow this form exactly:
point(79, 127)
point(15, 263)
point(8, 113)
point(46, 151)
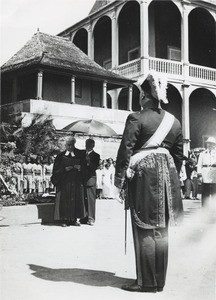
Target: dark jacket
point(139, 127)
point(89, 170)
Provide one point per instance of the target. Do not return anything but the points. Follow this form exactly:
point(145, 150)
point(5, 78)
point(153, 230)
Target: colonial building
point(175, 38)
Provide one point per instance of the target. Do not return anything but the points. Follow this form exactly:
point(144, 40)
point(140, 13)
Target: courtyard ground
point(47, 262)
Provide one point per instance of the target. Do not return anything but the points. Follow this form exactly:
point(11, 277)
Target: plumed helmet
point(155, 84)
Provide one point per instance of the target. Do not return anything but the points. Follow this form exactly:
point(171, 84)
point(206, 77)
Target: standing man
point(206, 168)
point(67, 177)
point(150, 155)
point(89, 168)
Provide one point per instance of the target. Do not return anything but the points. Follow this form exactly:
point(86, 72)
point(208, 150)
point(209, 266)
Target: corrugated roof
point(58, 52)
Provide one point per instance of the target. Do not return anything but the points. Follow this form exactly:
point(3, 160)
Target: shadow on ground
point(82, 276)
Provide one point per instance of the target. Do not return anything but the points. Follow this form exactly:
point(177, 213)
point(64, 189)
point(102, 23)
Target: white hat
point(158, 84)
point(211, 139)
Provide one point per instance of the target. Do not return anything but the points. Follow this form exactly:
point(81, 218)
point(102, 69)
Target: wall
point(57, 88)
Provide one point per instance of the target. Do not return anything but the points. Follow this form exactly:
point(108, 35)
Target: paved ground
point(42, 262)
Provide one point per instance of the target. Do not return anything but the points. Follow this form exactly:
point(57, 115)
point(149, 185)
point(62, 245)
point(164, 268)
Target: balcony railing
point(173, 68)
point(165, 66)
point(202, 72)
point(130, 68)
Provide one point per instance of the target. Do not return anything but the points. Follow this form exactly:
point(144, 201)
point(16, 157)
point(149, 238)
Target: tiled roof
point(98, 5)
point(57, 52)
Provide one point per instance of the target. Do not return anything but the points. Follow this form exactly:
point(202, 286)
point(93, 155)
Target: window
point(174, 53)
point(133, 54)
point(78, 88)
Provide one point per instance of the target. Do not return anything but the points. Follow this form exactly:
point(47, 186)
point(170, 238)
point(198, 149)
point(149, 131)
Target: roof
point(58, 52)
point(99, 4)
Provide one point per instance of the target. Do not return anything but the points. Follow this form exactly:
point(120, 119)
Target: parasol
point(90, 127)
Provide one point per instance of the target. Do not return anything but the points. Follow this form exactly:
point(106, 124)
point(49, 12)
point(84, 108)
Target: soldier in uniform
point(28, 175)
point(48, 168)
point(17, 173)
point(150, 155)
point(38, 175)
point(206, 168)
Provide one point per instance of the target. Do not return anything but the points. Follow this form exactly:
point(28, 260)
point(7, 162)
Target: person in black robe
point(67, 177)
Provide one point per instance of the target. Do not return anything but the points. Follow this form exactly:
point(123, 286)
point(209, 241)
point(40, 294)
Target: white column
point(104, 100)
point(114, 42)
point(144, 37)
point(185, 44)
point(186, 120)
point(14, 90)
point(40, 85)
point(90, 42)
point(130, 97)
point(72, 89)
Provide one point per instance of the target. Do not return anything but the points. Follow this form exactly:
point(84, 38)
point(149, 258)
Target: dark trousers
point(90, 200)
point(151, 252)
point(188, 187)
point(208, 189)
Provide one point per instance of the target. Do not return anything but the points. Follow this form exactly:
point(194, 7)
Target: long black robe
point(69, 204)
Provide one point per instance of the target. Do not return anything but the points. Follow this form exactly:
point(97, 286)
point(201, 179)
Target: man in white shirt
point(206, 168)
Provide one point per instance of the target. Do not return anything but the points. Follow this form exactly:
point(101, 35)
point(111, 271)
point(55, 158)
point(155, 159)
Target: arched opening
point(129, 32)
point(202, 116)
point(102, 42)
point(81, 40)
point(164, 30)
point(135, 99)
point(174, 106)
point(109, 101)
point(123, 99)
point(202, 38)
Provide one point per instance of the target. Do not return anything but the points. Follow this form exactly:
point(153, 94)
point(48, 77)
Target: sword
point(125, 231)
point(123, 196)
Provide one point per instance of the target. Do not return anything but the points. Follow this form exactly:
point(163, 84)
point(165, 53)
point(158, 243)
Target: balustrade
point(175, 69)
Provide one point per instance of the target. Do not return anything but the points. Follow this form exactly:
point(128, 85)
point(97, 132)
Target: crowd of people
point(29, 174)
point(198, 172)
point(105, 175)
point(190, 181)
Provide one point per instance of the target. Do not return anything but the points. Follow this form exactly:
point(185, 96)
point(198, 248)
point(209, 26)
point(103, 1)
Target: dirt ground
point(47, 262)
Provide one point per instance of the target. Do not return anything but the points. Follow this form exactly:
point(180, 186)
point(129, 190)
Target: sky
point(20, 19)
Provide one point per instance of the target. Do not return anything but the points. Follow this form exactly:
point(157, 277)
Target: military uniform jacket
point(207, 166)
point(139, 127)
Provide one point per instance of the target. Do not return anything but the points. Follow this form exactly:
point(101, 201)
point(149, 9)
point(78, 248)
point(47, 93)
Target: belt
point(206, 166)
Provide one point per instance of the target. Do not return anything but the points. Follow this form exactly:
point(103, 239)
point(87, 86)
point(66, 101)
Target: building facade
point(175, 38)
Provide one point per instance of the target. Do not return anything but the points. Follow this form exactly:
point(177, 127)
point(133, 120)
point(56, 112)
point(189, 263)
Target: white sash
point(163, 129)
point(154, 142)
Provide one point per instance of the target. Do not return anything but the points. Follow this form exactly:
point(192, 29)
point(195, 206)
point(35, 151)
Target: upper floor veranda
point(175, 37)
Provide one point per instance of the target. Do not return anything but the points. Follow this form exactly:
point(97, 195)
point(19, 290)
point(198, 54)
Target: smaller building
point(50, 75)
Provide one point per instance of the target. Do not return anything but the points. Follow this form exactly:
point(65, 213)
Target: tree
point(39, 138)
